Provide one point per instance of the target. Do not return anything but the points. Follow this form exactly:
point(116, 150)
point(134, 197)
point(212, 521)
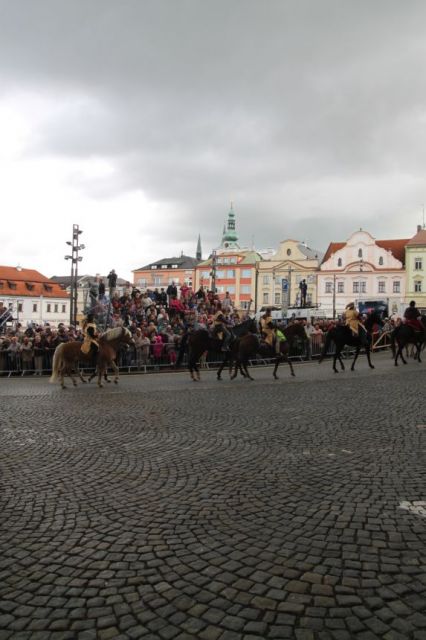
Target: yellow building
point(415, 266)
point(279, 278)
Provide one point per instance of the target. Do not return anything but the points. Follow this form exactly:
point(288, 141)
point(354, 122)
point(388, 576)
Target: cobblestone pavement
point(166, 509)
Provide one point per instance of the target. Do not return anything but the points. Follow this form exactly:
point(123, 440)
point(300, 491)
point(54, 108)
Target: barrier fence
point(163, 357)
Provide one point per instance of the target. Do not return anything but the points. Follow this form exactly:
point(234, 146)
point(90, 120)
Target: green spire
point(230, 238)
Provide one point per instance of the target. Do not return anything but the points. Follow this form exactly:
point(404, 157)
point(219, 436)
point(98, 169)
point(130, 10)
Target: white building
point(32, 297)
point(362, 269)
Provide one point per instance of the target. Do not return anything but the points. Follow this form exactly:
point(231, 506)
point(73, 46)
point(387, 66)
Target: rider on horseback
point(220, 328)
point(412, 317)
point(269, 332)
point(352, 320)
point(90, 342)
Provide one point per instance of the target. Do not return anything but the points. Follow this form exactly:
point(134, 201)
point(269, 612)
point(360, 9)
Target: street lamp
point(213, 271)
point(75, 259)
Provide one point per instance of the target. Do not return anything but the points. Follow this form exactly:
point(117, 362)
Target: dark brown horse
point(342, 335)
point(250, 346)
point(201, 341)
point(68, 355)
point(405, 334)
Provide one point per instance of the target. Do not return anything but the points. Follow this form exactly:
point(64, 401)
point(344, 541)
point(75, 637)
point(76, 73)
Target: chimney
point(419, 228)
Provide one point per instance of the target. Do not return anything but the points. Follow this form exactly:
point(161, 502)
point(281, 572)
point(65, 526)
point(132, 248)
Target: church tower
point(229, 237)
point(198, 253)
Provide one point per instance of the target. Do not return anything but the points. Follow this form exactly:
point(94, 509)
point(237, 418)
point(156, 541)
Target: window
point(340, 287)
point(220, 274)
point(363, 287)
point(417, 286)
point(230, 288)
point(11, 285)
point(174, 266)
point(266, 279)
point(355, 287)
point(233, 260)
point(157, 280)
point(396, 287)
point(29, 286)
point(382, 286)
point(277, 298)
point(142, 282)
point(289, 252)
point(56, 308)
point(245, 288)
point(244, 304)
point(328, 287)
point(153, 266)
point(339, 262)
point(246, 273)
point(359, 253)
point(381, 261)
point(47, 287)
point(34, 308)
point(230, 273)
point(20, 307)
point(49, 307)
point(64, 308)
point(266, 298)
point(164, 266)
point(226, 260)
point(1, 285)
point(418, 264)
point(205, 275)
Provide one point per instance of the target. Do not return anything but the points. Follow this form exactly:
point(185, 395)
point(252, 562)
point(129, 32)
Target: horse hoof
point(109, 381)
point(293, 374)
point(115, 381)
point(335, 371)
point(371, 366)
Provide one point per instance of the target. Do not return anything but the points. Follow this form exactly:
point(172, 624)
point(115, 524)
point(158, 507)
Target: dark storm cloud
point(266, 103)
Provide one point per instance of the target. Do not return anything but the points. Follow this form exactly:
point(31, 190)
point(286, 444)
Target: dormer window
point(153, 266)
point(164, 266)
point(11, 285)
point(174, 266)
point(47, 287)
point(381, 261)
point(29, 286)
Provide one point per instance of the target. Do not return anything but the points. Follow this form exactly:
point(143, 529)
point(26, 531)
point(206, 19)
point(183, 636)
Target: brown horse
point(68, 355)
point(201, 341)
point(404, 335)
point(250, 346)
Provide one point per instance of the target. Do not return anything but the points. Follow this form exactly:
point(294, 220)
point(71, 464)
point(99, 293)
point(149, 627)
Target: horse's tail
point(58, 361)
point(328, 341)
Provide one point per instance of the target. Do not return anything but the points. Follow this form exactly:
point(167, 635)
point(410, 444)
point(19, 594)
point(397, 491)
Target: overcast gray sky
point(141, 120)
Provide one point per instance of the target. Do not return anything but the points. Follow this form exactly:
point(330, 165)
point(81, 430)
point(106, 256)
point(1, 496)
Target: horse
point(68, 355)
point(342, 335)
point(201, 341)
point(404, 335)
point(249, 346)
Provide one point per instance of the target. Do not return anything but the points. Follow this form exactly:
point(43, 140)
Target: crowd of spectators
point(157, 318)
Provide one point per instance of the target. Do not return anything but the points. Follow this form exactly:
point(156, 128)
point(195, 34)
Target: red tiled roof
point(28, 283)
point(332, 248)
point(397, 247)
point(419, 239)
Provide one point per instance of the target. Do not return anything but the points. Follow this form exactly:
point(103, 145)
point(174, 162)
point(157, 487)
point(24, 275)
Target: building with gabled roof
point(32, 297)
point(159, 274)
point(360, 270)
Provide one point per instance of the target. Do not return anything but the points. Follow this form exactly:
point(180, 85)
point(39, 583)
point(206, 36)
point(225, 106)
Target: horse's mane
point(113, 334)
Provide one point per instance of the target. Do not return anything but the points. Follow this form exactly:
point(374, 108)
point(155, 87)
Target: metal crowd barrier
point(162, 357)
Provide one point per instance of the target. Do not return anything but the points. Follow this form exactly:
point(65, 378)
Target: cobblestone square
point(166, 509)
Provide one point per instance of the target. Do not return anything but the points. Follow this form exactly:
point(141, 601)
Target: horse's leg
point(290, 364)
point(222, 366)
point(419, 350)
point(336, 355)
point(245, 367)
point(115, 369)
point(355, 358)
point(400, 351)
point(368, 354)
point(277, 362)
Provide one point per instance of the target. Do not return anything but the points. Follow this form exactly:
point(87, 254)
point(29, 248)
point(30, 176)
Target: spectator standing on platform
point(101, 289)
point(303, 291)
point(112, 282)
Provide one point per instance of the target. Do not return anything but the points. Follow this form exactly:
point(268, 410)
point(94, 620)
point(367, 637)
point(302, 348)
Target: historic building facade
point(415, 264)
point(32, 297)
point(279, 277)
point(230, 268)
point(362, 269)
